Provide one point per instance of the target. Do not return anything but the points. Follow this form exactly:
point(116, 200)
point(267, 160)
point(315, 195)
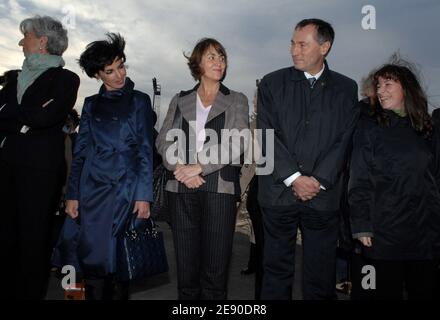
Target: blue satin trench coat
point(112, 168)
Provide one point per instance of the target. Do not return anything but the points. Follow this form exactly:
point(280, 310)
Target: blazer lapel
point(221, 103)
point(187, 103)
point(187, 106)
point(319, 89)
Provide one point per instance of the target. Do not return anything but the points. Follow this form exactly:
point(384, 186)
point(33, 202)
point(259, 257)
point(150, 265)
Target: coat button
point(114, 118)
point(301, 166)
point(307, 122)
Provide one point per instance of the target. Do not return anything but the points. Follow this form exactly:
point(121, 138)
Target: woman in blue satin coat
point(111, 175)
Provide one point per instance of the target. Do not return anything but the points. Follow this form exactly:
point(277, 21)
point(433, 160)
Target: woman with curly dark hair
point(394, 188)
point(112, 169)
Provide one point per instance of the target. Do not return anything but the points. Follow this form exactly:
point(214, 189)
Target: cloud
point(255, 33)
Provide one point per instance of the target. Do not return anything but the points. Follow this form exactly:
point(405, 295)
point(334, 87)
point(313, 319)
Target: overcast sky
point(255, 33)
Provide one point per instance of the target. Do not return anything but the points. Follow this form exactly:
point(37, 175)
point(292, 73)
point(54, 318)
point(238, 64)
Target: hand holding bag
point(140, 250)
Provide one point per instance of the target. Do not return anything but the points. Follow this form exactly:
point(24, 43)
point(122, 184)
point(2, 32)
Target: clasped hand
point(189, 175)
point(306, 188)
point(366, 241)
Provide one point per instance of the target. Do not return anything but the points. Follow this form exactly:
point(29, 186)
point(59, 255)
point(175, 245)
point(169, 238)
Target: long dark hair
point(415, 101)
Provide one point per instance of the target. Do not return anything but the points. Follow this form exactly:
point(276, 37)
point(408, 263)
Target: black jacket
point(393, 190)
point(313, 128)
point(42, 147)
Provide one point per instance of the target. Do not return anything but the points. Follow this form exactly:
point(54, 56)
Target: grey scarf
point(33, 66)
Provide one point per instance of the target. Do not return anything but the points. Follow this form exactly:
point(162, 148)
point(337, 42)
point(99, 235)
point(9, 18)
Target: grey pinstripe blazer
point(230, 110)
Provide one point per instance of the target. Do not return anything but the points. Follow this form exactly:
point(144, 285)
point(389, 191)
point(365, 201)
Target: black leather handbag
point(140, 250)
point(159, 207)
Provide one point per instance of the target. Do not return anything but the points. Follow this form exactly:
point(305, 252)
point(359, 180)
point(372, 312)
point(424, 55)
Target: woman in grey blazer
point(204, 160)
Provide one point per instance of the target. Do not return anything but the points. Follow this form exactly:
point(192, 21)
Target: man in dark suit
point(312, 112)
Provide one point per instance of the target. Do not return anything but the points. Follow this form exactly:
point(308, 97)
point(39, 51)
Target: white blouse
point(201, 117)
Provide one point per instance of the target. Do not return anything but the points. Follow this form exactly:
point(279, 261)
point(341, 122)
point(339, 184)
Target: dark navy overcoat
point(111, 169)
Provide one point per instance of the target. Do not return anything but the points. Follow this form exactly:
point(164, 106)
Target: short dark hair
point(324, 30)
point(415, 100)
point(196, 56)
point(102, 53)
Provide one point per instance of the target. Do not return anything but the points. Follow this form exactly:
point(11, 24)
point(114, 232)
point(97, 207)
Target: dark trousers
point(319, 233)
point(392, 278)
point(256, 253)
point(28, 200)
point(203, 225)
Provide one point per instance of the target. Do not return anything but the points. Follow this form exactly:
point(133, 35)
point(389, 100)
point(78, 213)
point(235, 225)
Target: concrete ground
point(164, 286)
